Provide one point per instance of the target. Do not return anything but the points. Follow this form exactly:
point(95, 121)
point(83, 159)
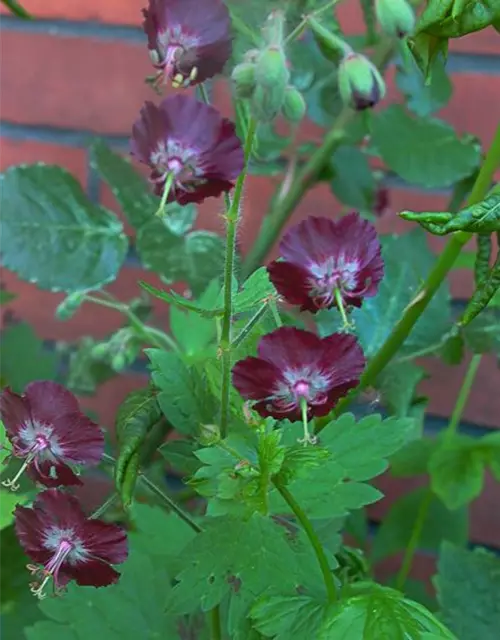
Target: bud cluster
point(263, 77)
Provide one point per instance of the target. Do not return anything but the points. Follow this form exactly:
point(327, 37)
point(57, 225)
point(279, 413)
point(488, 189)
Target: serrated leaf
point(194, 334)
point(440, 524)
point(255, 291)
point(282, 618)
point(468, 584)
point(250, 557)
point(24, 358)
point(353, 182)
point(196, 258)
point(397, 384)
point(133, 608)
point(80, 245)
point(408, 261)
point(185, 398)
point(394, 133)
point(180, 455)
point(135, 418)
point(380, 612)
point(85, 372)
point(8, 502)
point(457, 18)
point(456, 469)
point(424, 98)
point(362, 448)
point(482, 334)
point(413, 458)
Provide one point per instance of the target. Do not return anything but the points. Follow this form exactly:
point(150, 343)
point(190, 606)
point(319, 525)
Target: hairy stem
point(463, 396)
point(274, 223)
point(313, 539)
point(232, 218)
point(441, 268)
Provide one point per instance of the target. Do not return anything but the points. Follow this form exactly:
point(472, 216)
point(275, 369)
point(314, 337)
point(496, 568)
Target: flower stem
point(249, 326)
point(155, 336)
point(313, 539)
point(232, 218)
point(434, 280)
point(275, 313)
point(104, 506)
point(463, 396)
point(274, 223)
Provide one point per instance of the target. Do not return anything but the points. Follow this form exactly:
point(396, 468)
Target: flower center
point(170, 157)
point(51, 568)
point(301, 390)
point(176, 49)
point(331, 276)
point(37, 444)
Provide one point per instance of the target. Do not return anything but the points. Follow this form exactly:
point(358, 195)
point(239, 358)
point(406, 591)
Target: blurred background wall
point(78, 71)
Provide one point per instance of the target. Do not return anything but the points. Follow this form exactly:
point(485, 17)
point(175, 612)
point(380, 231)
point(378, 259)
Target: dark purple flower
point(66, 545)
point(188, 40)
point(47, 429)
point(326, 261)
point(190, 143)
point(292, 365)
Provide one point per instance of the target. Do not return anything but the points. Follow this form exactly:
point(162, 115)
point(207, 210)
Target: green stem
point(414, 540)
point(275, 313)
point(463, 396)
point(249, 326)
point(203, 93)
point(104, 506)
point(313, 539)
point(155, 336)
point(232, 217)
point(274, 223)
point(441, 268)
point(303, 23)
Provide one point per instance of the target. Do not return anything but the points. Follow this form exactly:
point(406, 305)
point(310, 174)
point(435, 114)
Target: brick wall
point(77, 71)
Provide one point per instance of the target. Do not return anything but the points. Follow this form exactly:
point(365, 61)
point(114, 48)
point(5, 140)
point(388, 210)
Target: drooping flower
point(47, 429)
point(327, 262)
point(66, 545)
point(191, 149)
point(188, 40)
point(294, 365)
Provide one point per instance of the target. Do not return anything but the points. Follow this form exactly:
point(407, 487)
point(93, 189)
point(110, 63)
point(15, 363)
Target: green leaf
point(457, 471)
point(408, 261)
point(482, 334)
point(15, 8)
point(231, 556)
point(185, 398)
point(255, 291)
point(79, 245)
point(468, 584)
point(426, 49)
point(353, 182)
point(413, 458)
point(394, 133)
point(180, 454)
point(133, 608)
point(379, 612)
point(86, 372)
point(8, 502)
point(362, 448)
point(6, 296)
point(196, 258)
point(456, 18)
point(424, 98)
point(135, 418)
point(130, 190)
point(24, 358)
point(483, 217)
point(282, 618)
point(440, 524)
point(193, 333)
point(397, 384)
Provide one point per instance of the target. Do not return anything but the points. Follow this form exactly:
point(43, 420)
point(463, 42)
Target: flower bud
point(69, 306)
point(243, 77)
point(274, 28)
point(209, 435)
point(100, 351)
point(294, 105)
point(271, 78)
point(119, 362)
point(396, 17)
point(360, 84)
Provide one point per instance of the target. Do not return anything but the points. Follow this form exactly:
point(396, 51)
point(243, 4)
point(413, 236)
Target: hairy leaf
point(468, 584)
point(424, 98)
point(353, 182)
point(79, 245)
point(394, 133)
point(456, 18)
point(282, 618)
point(397, 385)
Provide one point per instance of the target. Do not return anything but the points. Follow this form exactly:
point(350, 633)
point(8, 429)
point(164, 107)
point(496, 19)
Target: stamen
point(308, 438)
point(341, 308)
point(177, 80)
point(193, 75)
point(50, 570)
point(37, 588)
point(12, 482)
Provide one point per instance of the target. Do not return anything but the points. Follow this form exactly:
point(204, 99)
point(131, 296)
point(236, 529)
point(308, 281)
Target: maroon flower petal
point(105, 540)
point(30, 527)
point(255, 378)
point(80, 439)
point(288, 347)
point(91, 573)
point(59, 509)
point(292, 282)
point(343, 357)
point(14, 411)
point(49, 400)
point(53, 474)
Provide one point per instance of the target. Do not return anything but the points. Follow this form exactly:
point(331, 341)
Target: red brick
point(16, 152)
point(72, 82)
point(115, 11)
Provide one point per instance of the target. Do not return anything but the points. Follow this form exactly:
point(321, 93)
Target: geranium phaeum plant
point(275, 389)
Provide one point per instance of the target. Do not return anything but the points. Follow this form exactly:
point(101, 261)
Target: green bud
point(274, 28)
point(209, 435)
point(294, 105)
point(243, 77)
point(119, 362)
point(360, 84)
point(100, 351)
point(396, 17)
point(271, 70)
point(69, 306)
point(266, 104)
point(331, 46)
